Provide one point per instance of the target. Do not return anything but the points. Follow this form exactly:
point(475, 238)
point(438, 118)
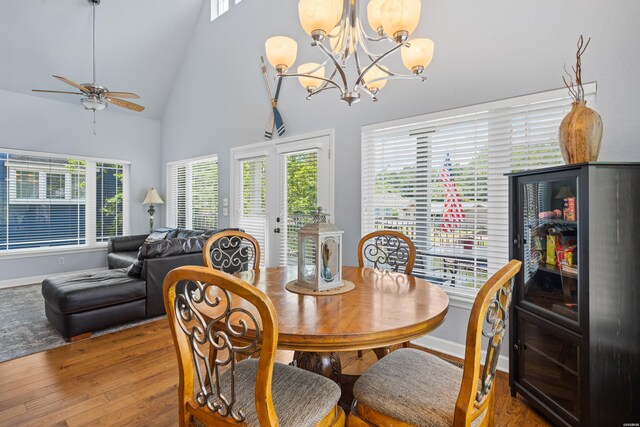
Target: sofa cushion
point(166, 248)
point(159, 234)
point(122, 259)
point(78, 292)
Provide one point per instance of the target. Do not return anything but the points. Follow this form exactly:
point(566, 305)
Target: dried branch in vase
point(576, 90)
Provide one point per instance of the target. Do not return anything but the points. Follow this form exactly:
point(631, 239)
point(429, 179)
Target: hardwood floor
point(129, 378)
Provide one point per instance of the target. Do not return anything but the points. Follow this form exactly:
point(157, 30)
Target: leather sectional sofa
point(80, 303)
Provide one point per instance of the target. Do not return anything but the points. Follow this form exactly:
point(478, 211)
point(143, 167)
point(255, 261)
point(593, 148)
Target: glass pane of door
point(298, 199)
point(251, 207)
point(551, 246)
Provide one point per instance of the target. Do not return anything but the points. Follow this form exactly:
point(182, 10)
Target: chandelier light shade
point(336, 30)
point(319, 15)
point(375, 78)
point(418, 55)
point(281, 52)
point(374, 14)
point(310, 75)
point(400, 17)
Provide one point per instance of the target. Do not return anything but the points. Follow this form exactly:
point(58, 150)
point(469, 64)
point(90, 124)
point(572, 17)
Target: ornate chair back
point(232, 252)
point(215, 317)
point(489, 317)
point(387, 250)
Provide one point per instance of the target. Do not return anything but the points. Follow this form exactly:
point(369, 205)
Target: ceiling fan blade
point(72, 83)
point(125, 104)
point(123, 95)
point(57, 91)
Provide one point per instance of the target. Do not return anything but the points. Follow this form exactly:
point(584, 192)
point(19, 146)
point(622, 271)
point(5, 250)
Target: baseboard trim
point(456, 350)
point(22, 281)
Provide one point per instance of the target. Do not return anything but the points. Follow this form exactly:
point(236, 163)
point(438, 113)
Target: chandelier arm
point(375, 62)
point(357, 61)
point(398, 77)
point(343, 76)
point(322, 89)
point(324, 79)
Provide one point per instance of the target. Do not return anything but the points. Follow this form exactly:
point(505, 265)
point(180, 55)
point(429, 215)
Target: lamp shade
point(418, 54)
point(310, 83)
point(400, 15)
point(320, 15)
point(153, 198)
point(372, 74)
point(281, 51)
point(374, 9)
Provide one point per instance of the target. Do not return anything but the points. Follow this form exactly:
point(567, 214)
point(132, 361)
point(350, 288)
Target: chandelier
point(337, 31)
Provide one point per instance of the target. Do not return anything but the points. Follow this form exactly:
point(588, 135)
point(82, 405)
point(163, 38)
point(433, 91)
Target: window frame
point(171, 219)
point(90, 245)
point(459, 296)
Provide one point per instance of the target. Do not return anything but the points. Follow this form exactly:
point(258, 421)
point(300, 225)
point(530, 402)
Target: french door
point(276, 186)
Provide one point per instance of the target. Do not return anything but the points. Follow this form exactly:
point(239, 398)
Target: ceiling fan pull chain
point(94, 122)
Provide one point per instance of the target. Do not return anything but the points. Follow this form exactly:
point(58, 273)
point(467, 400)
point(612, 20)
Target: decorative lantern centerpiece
point(320, 254)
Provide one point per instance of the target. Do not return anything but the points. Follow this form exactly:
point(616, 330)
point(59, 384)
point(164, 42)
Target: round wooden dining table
point(384, 309)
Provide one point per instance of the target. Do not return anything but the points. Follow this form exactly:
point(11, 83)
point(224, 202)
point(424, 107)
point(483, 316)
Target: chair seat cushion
point(411, 386)
point(301, 398)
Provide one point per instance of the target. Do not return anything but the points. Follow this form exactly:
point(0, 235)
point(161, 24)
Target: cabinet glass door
point(551, 279)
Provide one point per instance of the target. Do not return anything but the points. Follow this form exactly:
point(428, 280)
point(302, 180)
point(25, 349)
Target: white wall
point(485, 50)
point(39, 124)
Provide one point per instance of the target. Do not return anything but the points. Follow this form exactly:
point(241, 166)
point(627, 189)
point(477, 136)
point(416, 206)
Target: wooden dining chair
point(387, 250)
point(214, 317)
point(232, 251)
point(413, 388)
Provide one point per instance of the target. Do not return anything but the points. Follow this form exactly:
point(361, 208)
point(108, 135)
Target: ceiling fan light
point(319, 15)
point(93, 103)
point(281, 52)
point(400, 16)
point(418, 55)
point(374, 9)
point(309, 83)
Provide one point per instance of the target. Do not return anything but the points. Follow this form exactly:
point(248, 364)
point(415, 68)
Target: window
point(109, 200)
point(440, 180)
point(252, 206)
point(27, 185)
point(44, 202)
point(192, 187)
point(218, 7)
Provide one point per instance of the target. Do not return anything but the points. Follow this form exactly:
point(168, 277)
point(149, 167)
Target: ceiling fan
point(94, 96)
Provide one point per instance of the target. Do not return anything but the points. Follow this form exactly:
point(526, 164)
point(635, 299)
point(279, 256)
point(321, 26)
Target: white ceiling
point(140, 45)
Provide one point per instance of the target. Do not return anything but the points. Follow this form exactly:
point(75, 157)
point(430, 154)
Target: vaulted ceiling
point(140, 45)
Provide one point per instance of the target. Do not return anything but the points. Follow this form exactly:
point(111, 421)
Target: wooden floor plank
point(129, 378)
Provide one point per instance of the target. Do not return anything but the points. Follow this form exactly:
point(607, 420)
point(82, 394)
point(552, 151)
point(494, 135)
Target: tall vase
point(580, 134)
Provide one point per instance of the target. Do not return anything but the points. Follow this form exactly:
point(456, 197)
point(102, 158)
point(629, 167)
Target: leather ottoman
point(79, 303)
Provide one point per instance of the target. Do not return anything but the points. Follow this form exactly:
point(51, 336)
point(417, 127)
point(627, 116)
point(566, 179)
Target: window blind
point(251, 206)
point(192, 187)
point(299, 200)
point(110, 201)
point(440, 180)
point(45, 202)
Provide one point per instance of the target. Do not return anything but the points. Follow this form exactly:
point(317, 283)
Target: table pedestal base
point(328, 365)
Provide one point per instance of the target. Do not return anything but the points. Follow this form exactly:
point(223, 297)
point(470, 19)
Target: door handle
point(276, 230)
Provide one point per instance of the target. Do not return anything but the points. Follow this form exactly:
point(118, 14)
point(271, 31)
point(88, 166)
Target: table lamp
point(152, 198)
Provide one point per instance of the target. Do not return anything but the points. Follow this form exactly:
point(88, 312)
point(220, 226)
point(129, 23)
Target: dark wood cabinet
point(575, 318)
